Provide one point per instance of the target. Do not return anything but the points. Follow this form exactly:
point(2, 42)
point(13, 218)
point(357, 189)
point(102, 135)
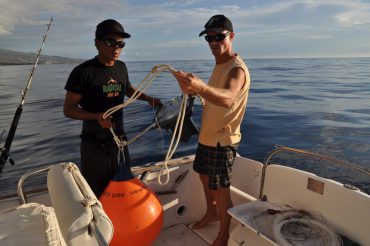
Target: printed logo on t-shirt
point(112, 88)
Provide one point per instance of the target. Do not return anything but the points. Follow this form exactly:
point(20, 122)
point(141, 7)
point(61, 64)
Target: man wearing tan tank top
point(225, 98)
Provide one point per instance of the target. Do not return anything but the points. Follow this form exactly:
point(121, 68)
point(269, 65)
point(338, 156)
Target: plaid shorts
point(216, 163)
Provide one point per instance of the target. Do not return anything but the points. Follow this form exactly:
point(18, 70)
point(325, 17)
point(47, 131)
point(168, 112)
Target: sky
point(168, 30)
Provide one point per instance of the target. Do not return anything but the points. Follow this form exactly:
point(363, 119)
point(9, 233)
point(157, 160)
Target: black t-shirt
point(102, 88)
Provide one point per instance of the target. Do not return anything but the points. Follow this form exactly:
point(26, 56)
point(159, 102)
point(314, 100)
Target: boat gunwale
point(137, 171)
point(313, 155)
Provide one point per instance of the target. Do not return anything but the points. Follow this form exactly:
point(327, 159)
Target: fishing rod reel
point(4, 154)
point(5, 157)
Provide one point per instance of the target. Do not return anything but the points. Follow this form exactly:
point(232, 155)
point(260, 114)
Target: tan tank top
point(220, 124)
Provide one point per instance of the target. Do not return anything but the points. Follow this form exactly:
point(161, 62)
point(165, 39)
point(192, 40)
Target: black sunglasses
point(110, 42)
point(218, 37)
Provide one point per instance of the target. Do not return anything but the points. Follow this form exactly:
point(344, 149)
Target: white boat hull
point(345, 210)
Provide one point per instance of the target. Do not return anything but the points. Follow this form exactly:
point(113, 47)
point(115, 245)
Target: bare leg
point(223, 201)
point(211, 213)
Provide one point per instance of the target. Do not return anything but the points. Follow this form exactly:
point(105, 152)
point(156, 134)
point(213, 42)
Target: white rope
point(142, 87)
point(292, 228)
point(88, 199)
point(177, 131)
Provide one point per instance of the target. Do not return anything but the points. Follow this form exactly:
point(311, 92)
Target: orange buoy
point(134, 210)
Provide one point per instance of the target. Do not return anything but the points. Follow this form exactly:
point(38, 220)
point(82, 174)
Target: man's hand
point(189, 83)
point(105, 123)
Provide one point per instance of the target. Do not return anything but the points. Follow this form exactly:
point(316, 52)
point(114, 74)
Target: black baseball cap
point(110, 26)
point(217, 23)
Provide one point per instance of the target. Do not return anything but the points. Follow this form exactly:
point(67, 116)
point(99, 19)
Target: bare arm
point(72, 110)
point(224, 97)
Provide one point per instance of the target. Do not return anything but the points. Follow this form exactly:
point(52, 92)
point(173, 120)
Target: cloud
point(353, 12)
point(8, 19)
point(175, 24)
point(318, 37)
point(175, 44)
point(355, 17)
point(181, 3)
point(276, 31)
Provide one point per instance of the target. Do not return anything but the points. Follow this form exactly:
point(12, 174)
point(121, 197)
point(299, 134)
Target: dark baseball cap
point(110, 26)
point(217, 23)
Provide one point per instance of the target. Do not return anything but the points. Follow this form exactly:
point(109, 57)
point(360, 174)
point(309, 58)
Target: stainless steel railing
point(281, 148)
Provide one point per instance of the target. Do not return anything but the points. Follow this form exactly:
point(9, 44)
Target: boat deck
point(179, 235)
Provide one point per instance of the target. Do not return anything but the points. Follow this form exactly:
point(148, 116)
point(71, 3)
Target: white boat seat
point(76, 207)
point(75, 218)
point(30, 224)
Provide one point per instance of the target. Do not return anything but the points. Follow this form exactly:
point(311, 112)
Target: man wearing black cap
point(92, 88)
point(225, 98)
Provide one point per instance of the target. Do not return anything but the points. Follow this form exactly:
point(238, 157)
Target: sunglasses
point(218, 38)
point(110, 42)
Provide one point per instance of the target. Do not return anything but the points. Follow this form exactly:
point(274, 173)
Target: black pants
point(99, 162)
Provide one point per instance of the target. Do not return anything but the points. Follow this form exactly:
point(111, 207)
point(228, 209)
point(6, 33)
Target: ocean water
point(320, 105)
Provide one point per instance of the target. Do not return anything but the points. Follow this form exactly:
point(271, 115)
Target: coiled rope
point(289, 226)
point(298, 228)
point(141, 88)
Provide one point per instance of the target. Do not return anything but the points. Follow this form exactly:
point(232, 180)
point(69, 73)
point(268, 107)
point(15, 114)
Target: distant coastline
point(11, 57)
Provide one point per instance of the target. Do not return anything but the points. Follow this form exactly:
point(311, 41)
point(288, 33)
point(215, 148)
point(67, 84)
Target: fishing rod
point(5, 151)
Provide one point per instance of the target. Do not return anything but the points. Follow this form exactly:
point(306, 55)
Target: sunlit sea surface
point(320, 105)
